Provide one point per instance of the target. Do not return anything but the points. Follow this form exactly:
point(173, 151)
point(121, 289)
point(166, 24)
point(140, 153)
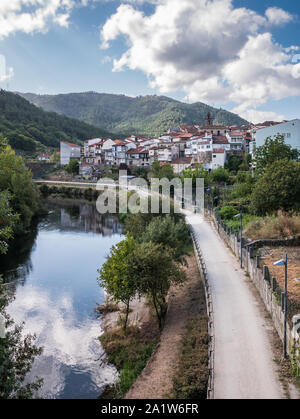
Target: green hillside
point(149, 115)
point(29, 128)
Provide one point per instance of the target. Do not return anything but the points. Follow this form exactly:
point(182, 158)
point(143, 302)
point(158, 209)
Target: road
point(244, 366)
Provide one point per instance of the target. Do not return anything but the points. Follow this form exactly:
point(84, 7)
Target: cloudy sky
point(241, 55)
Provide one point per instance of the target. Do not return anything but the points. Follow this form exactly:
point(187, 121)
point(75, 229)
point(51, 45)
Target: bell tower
point(208, 120)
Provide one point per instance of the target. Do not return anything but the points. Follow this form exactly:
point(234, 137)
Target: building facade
point(290, 130)
point(69, 151)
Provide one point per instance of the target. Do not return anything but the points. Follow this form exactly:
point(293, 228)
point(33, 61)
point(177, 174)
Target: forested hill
point(149, 115)
point(30, 128)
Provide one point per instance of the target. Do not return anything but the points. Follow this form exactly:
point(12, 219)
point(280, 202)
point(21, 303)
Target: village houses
point(208, 145)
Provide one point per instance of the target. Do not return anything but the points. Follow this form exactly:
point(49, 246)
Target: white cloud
point(33, 15)
point(209, 49)
point(5, 73)
point(256, 116)
point(277, 16)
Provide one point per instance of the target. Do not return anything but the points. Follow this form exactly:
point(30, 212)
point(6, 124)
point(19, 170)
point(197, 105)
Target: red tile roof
point(70, 144)
point(182, 160)
point(220, 139)
point(219, 150)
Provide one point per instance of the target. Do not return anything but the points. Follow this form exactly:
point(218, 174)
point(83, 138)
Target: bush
point(219, 175)
point(276, 227)
point(129, 352)
point(227, 213)
point(191, 378)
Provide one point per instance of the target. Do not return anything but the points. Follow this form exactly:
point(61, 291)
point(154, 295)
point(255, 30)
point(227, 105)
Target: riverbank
point(172, 363)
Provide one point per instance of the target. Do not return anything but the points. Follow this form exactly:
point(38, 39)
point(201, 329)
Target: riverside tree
point(17, 353)
point(16, 179)
point(154, 270)
point(171, 234)
point(7, 221)
point(116, 275)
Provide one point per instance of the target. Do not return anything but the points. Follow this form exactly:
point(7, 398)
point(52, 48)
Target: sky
point(241, 55)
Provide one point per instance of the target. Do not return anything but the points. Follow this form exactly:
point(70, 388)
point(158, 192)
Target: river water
point(53, 274)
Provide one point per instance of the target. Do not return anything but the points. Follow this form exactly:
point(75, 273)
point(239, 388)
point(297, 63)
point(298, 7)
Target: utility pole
point(240, 216)
point(284, 262)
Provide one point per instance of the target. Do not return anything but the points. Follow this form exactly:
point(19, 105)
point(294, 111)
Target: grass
point(129, 351)
point(191, 378)
point(274, 227)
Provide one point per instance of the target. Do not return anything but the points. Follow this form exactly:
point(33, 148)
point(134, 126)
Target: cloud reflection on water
point(71, 361)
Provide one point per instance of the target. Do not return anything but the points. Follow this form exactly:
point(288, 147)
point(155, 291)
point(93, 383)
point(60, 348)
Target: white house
point(236, 140)
point(218, 158)
point(69, 151)
point(290, 130)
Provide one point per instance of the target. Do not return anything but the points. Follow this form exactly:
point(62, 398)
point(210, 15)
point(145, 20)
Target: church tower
point(208, 120)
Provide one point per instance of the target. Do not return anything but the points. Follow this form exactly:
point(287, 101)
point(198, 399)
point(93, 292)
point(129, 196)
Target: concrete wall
point(291, 131)
point(68, 152)
point(265, 287)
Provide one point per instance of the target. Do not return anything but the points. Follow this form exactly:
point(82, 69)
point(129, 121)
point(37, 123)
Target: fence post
point(282, 300)
point(274, 284)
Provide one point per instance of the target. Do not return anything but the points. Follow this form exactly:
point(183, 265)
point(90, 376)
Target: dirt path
point(185, 302)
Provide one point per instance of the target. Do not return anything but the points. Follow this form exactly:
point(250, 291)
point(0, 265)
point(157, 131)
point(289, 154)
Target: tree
point(140, 172)
point(116, 275)
point(7, 221)
point(166, 171)
point(154, 270)
point(171, 234)
point(198, 172)
point(155, 169)
point(274, 149)
point(17, 353)
point(160, 172)
point(55, 157)
point(233, 163)
point(72, 167)
point(278, 188)
point(219, 175)
point(16, 179)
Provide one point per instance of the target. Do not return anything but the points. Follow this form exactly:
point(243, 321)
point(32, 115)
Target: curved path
point(244, 366)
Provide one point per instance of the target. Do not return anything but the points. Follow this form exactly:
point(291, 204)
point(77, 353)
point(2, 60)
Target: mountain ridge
point(141, 115)
point(29, 128)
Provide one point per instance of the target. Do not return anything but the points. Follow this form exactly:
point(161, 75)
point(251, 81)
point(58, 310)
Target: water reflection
point(56, 292)
point(71, 362)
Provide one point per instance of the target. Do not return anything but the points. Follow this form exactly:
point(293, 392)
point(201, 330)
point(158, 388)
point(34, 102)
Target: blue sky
point(229, 54)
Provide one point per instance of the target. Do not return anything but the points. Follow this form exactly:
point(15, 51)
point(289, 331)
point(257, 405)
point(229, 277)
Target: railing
point(210, 315)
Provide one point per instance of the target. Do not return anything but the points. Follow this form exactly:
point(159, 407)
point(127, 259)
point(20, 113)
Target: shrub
point(191, 378)
point(227, 213)
point(275, 227)
point(129, 352)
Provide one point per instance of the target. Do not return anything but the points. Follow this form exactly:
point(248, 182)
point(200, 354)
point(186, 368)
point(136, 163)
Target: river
point(53, 274)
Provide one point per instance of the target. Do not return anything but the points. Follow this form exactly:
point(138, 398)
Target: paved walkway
point(244, 366)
